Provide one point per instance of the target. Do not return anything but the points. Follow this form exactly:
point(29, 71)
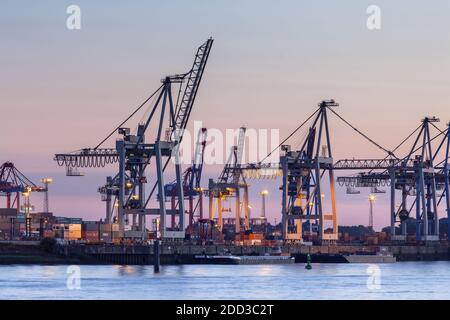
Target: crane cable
point(289, 136)
point(390, 153)
point(406, 139)
point(400, 144)
point(426, 143)
point(445, 132)
point(129, 117)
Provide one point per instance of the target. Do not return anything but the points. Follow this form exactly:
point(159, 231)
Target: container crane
point(415, 175)
point(303, 172)
point(14, 183)
point(445, 173)
point(229, 184)
point(133, 154)
point(302, 188)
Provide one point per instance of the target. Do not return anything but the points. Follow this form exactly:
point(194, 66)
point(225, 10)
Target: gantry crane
point(446, 174)
point(414, 175)
point(192, 189)
point(302, 188)
point(14, 183)
point(303, 174)
point(228, 185)
point(133, 153)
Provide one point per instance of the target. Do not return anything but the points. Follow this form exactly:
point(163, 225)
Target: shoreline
point(28, 254)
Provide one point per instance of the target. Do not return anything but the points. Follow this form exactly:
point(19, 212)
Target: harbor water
point(405, 280)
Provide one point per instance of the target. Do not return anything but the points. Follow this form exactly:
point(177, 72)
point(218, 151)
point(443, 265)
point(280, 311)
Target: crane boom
point(197, 165)
point(99, 157)
point(239, 153)
point(184, 108)
point(232, 168)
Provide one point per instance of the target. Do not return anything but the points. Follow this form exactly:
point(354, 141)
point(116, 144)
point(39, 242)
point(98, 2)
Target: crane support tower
point(303, 189)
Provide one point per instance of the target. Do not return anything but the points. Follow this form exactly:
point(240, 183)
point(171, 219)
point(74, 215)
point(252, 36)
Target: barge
point(370, 258)
point(232, 259)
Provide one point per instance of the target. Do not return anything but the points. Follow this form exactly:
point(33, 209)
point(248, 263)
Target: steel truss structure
point(303, 173)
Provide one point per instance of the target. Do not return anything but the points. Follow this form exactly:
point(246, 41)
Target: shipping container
point(49, 233)
point(90, 236)
point(108, 227)
point(68, 231)
point(67, 220)
point(90, 226)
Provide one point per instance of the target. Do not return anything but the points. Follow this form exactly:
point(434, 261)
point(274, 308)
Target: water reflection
point(265, 271)
point(325, 281)
point(200, 272)
point(50, 271)
point(130, 270)
point(176, 270)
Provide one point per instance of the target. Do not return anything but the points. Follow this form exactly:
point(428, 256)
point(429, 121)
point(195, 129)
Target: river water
point(405, 280)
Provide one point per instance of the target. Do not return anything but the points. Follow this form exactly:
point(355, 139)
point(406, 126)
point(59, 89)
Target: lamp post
point(372, 199)
point(46, 182)
point(26, 195)
point(264, 194)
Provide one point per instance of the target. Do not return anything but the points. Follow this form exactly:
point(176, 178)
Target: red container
point(90, 235)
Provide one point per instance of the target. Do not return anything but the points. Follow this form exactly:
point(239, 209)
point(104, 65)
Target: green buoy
point(308, 262)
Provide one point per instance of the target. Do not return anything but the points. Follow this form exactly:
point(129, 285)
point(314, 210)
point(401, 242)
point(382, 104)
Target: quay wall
point(184, 254)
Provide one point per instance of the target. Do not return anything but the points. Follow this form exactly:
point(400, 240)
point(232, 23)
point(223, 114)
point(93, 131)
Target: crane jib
point(183, 110)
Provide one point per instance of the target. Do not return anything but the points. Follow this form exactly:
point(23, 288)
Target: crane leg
point(238, 212)
point(219, 209)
